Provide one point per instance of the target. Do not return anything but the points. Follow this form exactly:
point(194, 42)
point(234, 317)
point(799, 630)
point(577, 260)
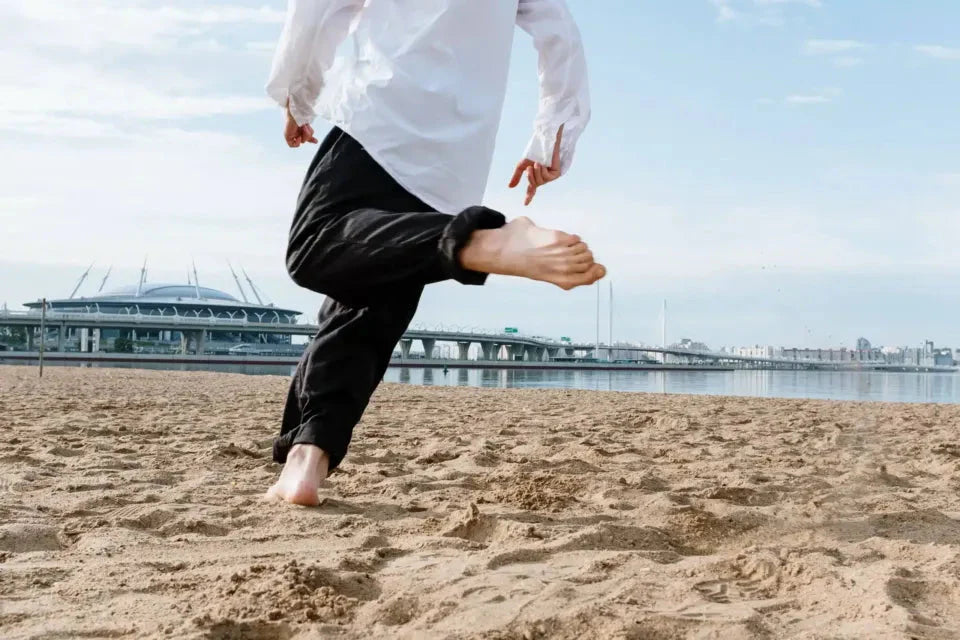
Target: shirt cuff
point(300, 109)
point(540, 148)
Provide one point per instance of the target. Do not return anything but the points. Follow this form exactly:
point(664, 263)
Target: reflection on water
point(249, 369)
point(833, 385)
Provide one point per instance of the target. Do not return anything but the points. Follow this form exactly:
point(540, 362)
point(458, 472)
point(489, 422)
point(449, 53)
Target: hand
point(537, 174)
point(295, 135)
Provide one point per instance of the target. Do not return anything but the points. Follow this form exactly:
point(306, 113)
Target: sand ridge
point(130, 507)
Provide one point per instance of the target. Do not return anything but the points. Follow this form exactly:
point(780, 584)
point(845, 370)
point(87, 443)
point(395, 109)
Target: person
point(389, 202)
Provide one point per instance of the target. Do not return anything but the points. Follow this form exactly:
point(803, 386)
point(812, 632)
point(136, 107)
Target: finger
point(543, 174)
point(517, 174)
point(532, 176)
point(307, 134)
point(531, 191)
point(555, 163)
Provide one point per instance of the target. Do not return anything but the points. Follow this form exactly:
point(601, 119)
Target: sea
point(866, 386)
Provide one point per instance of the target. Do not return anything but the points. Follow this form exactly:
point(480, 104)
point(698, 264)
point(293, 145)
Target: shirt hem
point(428, 200)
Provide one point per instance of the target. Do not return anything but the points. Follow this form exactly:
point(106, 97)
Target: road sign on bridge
point(511, 330)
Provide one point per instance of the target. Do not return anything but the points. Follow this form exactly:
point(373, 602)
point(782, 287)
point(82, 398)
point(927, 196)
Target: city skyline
point(110, 279)
point(804, 196)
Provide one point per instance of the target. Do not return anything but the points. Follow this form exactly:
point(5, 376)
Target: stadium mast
point(80, 281)
point(104, 281)
point(252, 287)
point(237, 280)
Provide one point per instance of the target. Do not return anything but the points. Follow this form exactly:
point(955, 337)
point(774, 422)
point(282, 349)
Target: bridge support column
point(405, 349)
point(514, 350)
point(61, 337)
point(489, 350)
point(29, 338)
point(428, 345)
point(552, 353)
point(533, 354)
point(464, 348)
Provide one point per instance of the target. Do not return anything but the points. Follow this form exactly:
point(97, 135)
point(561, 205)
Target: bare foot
point(520, 248)
point(305, 469)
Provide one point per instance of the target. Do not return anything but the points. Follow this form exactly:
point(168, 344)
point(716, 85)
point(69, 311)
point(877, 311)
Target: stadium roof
point(156, 295)
point(162, 290)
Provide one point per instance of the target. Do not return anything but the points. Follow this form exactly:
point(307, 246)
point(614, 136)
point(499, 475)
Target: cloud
point(757, 12)
point(261, 46)
point(939, 52)
point(822, 96)
point(74, 24)
point(72, 70)
point(831, 47)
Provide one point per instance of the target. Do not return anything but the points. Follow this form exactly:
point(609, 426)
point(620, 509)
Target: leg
point(339, 372)
point(357, 235)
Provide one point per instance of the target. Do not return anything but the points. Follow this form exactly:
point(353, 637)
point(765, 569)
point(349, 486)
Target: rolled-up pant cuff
point(333, 442)
point(456, 236)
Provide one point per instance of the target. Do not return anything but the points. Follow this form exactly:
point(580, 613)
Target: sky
point(781, 172)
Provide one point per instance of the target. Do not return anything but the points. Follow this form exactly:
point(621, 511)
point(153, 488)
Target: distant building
point(221, 309)
point(692, 345)
point(943, 357)
point(755, 351)
point(863, 344)
point(841, 354)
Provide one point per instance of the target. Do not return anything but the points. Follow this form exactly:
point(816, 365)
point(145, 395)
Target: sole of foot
point(522, 249)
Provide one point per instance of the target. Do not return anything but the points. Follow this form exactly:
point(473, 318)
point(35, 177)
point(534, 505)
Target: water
point(830, 385)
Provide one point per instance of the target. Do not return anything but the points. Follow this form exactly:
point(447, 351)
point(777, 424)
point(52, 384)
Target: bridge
point(493, 345)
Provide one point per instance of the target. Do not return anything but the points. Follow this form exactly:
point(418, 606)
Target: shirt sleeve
point(564, 89)
point(311, 34)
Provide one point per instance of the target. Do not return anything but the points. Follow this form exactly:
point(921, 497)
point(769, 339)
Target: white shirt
point(424, 88)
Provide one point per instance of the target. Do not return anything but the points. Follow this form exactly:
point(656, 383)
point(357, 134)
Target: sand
point(130, 507)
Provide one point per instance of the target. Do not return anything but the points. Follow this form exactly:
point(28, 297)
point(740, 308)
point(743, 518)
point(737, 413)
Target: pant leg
point(357, 234)
point(339, 372)
point(370, 246)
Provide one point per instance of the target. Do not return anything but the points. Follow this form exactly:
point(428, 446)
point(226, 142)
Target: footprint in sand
point(22, 537)
point(748, 578)
point(10, 484)
point(934, 606)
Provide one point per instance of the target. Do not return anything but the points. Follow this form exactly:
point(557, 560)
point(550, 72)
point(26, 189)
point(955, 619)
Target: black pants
point(370, 246)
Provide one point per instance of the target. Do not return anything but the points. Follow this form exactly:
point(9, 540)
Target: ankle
point(482, 250)
point(310, 457)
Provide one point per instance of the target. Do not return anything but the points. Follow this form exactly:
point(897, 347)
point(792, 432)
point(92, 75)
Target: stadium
point(144, 318)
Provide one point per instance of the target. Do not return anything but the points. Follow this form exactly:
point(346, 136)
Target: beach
point(131, 507)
